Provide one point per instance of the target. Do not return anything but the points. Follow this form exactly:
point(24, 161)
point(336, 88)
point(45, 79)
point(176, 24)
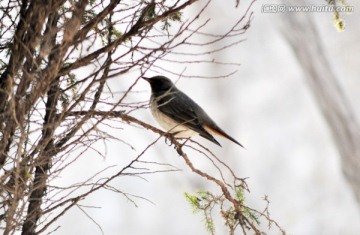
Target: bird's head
point(160, 83)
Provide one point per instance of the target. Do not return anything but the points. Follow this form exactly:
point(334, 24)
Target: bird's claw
point(169, 139)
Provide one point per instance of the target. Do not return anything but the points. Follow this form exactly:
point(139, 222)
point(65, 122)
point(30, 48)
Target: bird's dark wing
point(184, 111)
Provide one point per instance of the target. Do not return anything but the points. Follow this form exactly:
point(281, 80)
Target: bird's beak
point(146, 79)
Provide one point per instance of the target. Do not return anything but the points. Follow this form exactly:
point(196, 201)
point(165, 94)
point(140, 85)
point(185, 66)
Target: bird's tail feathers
point(217, 131)
point(210, 137)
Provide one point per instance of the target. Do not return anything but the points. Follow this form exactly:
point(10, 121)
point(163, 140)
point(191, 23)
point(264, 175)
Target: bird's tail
point(217, 131)
point(210, 137)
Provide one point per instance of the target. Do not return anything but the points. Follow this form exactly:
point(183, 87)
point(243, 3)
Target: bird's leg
point(172, 137)
point(169, 136)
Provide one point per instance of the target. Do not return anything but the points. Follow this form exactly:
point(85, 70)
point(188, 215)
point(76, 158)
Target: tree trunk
point(305, 41)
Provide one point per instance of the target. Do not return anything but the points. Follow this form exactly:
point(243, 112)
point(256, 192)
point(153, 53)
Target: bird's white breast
point(169, 124)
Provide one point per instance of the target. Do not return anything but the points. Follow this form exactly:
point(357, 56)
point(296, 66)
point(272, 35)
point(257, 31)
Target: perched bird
point(180, 115)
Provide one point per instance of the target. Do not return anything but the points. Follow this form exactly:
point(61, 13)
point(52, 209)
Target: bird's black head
point(160, 84)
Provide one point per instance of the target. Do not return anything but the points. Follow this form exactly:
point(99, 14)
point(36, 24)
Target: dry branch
point(56, 58)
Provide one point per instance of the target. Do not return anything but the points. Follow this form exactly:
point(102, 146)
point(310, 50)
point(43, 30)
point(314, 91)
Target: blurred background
point(267, 106)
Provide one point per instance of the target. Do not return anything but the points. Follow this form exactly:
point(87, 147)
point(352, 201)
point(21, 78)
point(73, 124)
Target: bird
point(178, 114)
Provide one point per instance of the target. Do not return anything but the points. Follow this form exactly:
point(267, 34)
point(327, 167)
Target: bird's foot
point(169, 138)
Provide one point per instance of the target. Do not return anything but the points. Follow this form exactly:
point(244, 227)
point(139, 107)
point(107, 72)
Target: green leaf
point(194, 201)
point(240, 195)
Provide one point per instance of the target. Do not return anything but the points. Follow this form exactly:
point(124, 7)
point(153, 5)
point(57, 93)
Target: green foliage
point(67, 96)
point(149, 10)
point(194, 201)
point(88, 15)
point(175, 17)
point(104, 28)
point(247, 212)
point(240, 195)
point(115, 34)
point(205, 202)
point(209, 223)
